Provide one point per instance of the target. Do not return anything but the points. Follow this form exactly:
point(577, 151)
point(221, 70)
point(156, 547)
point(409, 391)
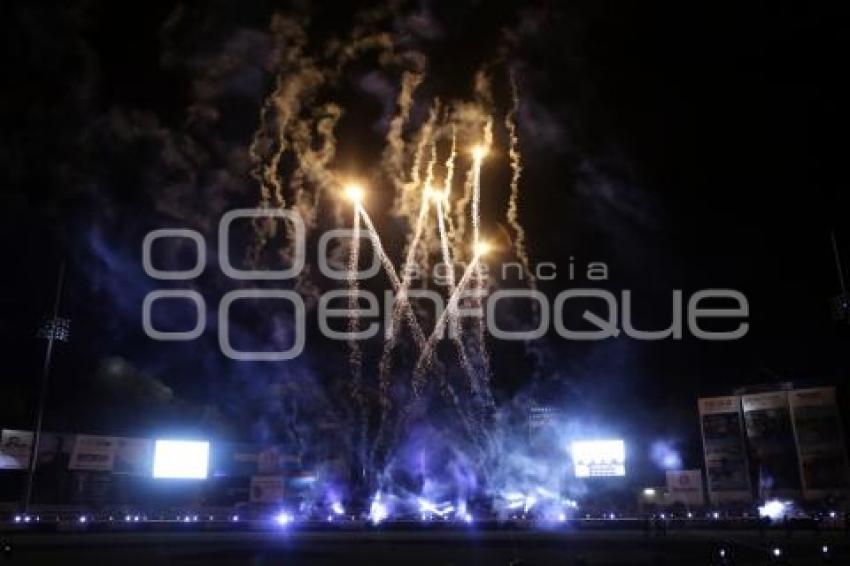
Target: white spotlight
point(283, 519)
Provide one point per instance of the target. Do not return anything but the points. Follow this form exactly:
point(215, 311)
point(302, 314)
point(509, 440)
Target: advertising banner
point(773, 458)
point(820, 442)
point(133, 456)
point(685, 486)
point(94, 453)
point(276, 460)
point(726, 468)
point(233, 459)
point(267, 489)
point(15, 446)
point(54, 449)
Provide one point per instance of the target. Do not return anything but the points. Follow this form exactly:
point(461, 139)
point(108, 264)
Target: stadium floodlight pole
point(54, 329)
point(838, 263)
point(840, 303)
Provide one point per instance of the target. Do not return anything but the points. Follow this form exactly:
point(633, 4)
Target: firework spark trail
point(479, 152)
point(426, 355)
point(282, 105)
point(478, 158)
point(432, 161)
point(408, 186)
point(353, 304)
point(513, 200)
point(402, 303)
point(426, 359)
point(454, 330)
point(313, 162)
point(407, 309)
point(297, 79)
point(424, 143)
point(355, 357)
point(448, 262)
point(475, 211)
point(447, 258)
point(472, 186)
point(393, 159)
point(407, 268)
point(391, 338)
point(450, 165)
point(516, 171)
point(447, 187)
point(413, 191)
point(444, 241)
point(463, 202)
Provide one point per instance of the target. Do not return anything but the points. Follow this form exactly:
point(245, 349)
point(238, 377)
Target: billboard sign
point(267, 489)
point(15, 446)
point(726, 468)
point(773, 458)
point(820, 442)
point(93, 453)
point(133, 456)
point(685, 486)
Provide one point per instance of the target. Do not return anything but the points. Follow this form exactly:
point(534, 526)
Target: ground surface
point(409, 547)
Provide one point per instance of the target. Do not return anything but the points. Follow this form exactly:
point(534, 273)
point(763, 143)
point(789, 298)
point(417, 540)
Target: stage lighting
point(773, 509)
point(378, 511)
point(181, 459)
point(283, 519)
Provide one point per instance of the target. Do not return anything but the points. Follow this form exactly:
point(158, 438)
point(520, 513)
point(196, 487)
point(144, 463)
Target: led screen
point(181, 459)
point(599, 458)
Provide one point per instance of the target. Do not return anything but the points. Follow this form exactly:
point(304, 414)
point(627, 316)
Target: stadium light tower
point(840, 303)
point(53, 329)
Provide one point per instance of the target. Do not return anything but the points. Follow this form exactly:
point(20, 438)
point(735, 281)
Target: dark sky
point(686, 145)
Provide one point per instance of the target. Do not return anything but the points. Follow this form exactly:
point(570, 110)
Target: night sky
point(687, 146)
